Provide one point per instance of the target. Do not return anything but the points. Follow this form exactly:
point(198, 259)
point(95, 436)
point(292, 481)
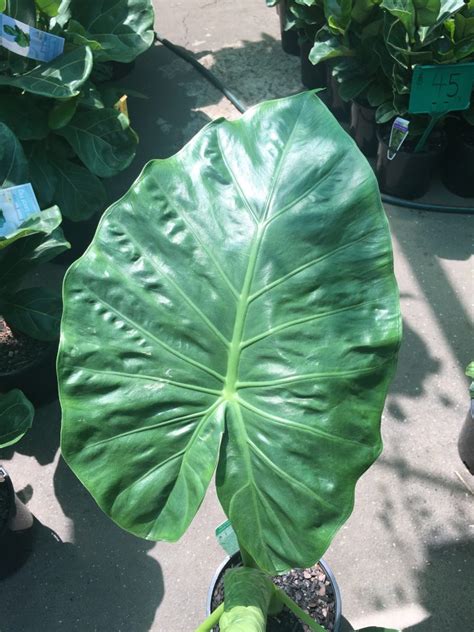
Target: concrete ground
point(405, 557)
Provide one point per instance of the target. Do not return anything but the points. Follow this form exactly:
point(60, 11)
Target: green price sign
point(441, 88)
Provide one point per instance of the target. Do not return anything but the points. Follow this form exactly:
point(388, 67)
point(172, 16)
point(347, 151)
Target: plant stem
point(301, 614)
point(421, 143)
point(212, 619)
point(247, 559)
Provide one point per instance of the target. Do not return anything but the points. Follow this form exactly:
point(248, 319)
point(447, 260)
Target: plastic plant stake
point(398, 134)
point(439, 89)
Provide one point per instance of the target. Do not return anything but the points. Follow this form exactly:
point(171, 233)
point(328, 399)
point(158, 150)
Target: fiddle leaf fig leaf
point(35, 311)
point(236, 309)
point(16, 417)
point(103, 140)
point(122, 29)
point(48, 7)
point(13, 163)
point(61, 78)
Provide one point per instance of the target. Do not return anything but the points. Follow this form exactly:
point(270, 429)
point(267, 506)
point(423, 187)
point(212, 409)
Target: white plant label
point(27, 41)
point(17, 204)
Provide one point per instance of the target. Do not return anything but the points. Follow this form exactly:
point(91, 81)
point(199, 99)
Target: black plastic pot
point(339, 108)
point(15, 546)
point(37, 380)
point(458, 167)
point(409, 174)
point(289, 39)
point(466, 440)
point(234, 560)
point(364, 128)
point(311, 76)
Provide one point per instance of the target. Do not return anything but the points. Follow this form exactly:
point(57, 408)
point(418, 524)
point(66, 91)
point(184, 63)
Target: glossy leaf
point(16, 417)
point(327, 46)
point(103, 140)
point(78, 192)
point(61, 78)
point(123, 28)
point(42, 175)
point(48, 7)
point(35, 311)
point(427, 11)
point(247, 596)
point(26, 118)
point(338, 14)
point(62, 112)
point(38, 240)
point(237, 307)
point(404, 11)
point(13, 163)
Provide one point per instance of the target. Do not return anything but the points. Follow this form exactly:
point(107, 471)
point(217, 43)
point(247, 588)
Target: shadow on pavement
point(103, 581)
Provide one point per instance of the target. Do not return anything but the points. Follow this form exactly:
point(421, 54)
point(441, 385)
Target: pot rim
point(321, 562)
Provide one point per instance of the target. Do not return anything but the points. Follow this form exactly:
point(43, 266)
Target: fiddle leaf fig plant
point(237, 314)
point(35, 311)
point(70, 133)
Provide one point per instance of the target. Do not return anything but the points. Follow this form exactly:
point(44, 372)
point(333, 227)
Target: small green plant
point(235, 313)
point(21, 38)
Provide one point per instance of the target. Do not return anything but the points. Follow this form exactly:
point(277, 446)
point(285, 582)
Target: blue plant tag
point(17, 204)
point(27, 41)
point(226, 537)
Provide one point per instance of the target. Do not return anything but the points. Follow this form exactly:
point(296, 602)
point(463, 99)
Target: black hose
point(217, 83)
point(183, 53)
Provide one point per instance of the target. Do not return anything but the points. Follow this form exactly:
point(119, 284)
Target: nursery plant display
point(29, 316)
point(374, 48)
point(61, 111)
point(248, 325)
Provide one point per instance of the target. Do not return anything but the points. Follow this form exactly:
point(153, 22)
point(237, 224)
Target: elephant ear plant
point(236, 312)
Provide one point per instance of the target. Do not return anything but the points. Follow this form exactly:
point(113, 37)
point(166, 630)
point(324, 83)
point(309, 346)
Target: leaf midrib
point(243, 301)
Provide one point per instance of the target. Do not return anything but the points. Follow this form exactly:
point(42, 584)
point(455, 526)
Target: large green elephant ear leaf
point(237, 308)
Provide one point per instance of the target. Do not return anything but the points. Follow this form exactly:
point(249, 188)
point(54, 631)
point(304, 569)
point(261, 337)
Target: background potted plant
point(29, 316)
point(257, 341)
point(288, 34)
point(63, 113)
point(16, 416)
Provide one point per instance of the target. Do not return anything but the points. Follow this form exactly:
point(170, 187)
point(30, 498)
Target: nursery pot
point(27, 364)
point(458, 167)
point(339, 108)
point(289, 39)
point(363, 128)
point(277, 623)
point(408, 175)
point(311, 76)
point(16, 533)
point(466, 440)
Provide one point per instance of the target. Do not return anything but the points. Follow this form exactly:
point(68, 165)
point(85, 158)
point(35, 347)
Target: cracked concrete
point(404, 558)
